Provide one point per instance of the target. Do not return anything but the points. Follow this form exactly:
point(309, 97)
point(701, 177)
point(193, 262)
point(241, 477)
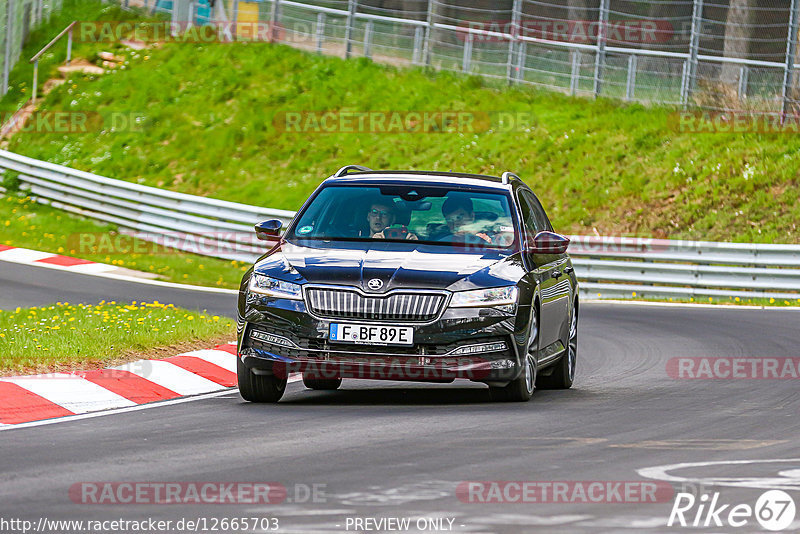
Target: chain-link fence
point(713, 54)
point(17, 19)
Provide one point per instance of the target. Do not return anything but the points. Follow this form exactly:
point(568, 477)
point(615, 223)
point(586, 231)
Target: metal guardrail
point(191, 223)
point(608, 267)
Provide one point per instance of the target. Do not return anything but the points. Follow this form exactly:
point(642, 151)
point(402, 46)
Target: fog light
point(272, 339)
point(502, 364)
point(478, 349)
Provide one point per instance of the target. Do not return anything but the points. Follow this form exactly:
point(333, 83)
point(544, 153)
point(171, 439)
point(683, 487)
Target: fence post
point(273, 20)
point(600, 54)
point(320, 31)
point(630, 86)
point(348, 31)
point(522, 55)
point(7, 53)
point(35, 80)
point(514, 31)
point(69, 45)
point(574, 76)
point(426, 45)
point(744, 73)
point(791, 47)
point(689, 74)
point(415, 56)
point(368, 40)
point(467, 59)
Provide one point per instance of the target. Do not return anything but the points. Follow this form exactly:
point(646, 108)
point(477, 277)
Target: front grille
point(347, 304)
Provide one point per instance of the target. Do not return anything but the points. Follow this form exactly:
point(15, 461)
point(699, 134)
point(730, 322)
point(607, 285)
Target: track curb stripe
point(25, 399)
point(18, 405)
point(204, 368)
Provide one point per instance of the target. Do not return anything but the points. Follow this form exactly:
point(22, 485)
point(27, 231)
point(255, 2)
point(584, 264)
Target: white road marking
point(170, 376)
point(74, 393)
point(782, 482)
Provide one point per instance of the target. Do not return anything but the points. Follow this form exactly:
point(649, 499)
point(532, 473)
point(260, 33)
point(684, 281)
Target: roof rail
point(507, 176)
point(344, 170)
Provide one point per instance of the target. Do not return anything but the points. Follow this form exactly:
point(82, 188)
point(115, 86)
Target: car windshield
point(428, 214)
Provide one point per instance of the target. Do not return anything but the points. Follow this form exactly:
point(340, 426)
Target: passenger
point(459, 215)
point(381, 216)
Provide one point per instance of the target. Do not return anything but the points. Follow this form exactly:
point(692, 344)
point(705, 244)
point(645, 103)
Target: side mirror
point(268, 230)
point(549, 243)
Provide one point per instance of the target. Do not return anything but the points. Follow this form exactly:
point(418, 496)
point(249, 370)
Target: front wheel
point(521, 389)
point(259, 388)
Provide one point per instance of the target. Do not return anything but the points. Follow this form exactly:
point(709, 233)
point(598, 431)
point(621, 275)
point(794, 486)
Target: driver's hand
point(411, 236)
point(379, 235)
point(484, 237)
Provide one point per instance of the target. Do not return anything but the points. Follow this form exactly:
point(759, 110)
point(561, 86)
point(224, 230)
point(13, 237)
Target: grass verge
point(83, 336)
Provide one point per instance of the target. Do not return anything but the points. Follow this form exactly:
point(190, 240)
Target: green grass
point(596, 164)
point(29, 225)
point(65, 336)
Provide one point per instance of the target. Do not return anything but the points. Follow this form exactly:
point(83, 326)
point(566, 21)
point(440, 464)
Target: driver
point(380, 216)
point(459, 215)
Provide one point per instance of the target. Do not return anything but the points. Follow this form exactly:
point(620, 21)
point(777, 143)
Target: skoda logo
point(375, 284)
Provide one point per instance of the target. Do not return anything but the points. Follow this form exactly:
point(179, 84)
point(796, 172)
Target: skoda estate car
point(422, 276)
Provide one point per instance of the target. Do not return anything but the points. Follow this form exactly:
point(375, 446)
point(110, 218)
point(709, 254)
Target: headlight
point(274, 287)
point(495, 296)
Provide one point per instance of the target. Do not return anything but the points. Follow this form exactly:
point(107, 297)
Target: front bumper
point(292, 340)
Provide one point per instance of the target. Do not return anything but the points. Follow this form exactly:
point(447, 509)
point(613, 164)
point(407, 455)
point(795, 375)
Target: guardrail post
point(600, 54)
point(7, 54)
point(320, 31)
point(630, 85)
point(426, 45)
point(368, 40)
point(689, 74)
point(791, 48)
point(514, 31)
point(35, 80)
point(574, 76)
point(744, 74)
point(69, 46)
point(467, 59)
point(415, 55)
point(522, 55)
point(348, 31)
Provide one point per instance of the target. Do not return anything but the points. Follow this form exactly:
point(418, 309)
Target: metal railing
point(608, 267)
point(35, 59)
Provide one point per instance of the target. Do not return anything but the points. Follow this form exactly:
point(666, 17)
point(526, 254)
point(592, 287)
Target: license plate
point(370, 334)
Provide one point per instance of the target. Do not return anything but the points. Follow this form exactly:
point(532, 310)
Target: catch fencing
point(608, 267)
point(714, 54)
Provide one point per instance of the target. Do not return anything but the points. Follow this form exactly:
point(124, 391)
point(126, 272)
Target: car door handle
point(556, 274)
point(569, 270)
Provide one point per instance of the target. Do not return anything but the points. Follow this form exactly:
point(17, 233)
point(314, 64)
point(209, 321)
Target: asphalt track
point(400, 450)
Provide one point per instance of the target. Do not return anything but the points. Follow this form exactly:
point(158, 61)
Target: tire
point(563, 374)
point(521, 389)
point(322, 384)
point(258, 388)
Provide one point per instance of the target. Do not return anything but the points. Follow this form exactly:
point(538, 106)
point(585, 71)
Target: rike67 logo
point(774, 511)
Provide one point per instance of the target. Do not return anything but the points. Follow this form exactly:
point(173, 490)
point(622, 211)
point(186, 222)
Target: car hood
point(396, 265)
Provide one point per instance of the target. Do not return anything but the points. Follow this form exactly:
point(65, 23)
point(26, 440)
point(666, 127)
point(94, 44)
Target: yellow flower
point(190, 318)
